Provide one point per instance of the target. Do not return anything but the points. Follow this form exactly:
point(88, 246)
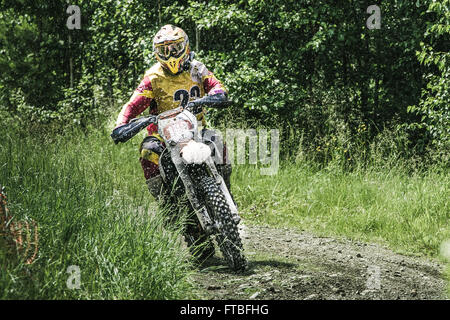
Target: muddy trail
point(285, 264)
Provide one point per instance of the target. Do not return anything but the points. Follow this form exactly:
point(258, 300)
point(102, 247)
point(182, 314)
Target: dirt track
point(284, 264)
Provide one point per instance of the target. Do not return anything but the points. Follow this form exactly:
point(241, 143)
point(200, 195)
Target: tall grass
point(408, 211)
point(354, 185)
point(94, 211)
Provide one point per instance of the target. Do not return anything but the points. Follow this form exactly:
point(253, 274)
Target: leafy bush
point(434, 105)
point(311, 68)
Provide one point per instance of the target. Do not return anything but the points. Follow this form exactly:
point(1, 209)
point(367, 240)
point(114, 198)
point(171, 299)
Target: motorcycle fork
point(201, 212)
point(211, 165)
point(219, 180)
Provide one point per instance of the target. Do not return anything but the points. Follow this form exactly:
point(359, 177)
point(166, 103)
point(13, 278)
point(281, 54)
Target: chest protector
point(171, 91)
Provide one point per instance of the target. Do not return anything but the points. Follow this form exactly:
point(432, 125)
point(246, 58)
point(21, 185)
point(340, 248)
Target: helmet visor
point(170, 49)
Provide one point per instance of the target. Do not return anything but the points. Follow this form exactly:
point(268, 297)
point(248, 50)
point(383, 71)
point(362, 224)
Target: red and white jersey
point(162, 91)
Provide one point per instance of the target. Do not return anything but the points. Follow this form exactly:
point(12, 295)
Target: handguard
point(218, 100)
point(127, 131)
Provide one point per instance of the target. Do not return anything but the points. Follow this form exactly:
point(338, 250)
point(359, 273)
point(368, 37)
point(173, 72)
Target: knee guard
point(150, 150)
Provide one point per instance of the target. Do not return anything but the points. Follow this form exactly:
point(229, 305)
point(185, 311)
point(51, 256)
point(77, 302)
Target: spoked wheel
point(227, 237)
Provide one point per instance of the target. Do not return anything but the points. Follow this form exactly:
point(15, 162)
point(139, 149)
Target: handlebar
point(125, 132)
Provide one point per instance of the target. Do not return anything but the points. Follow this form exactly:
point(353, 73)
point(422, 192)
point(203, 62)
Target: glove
point(125, 132)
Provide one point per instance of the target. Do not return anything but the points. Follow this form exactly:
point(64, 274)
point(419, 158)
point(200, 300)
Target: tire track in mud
point(285, 264)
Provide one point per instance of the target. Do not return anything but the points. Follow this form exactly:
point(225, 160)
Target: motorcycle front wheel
point(227, 237)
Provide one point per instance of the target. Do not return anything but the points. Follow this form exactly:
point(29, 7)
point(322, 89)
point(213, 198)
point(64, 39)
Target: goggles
point(170, 49)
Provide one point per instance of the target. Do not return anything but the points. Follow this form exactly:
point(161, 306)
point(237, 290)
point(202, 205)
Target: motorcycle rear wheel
point(227, 237)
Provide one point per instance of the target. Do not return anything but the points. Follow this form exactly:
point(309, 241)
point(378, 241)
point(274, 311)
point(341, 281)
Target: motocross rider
point(176, 78)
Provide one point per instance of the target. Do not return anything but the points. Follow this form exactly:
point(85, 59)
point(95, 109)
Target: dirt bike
point(187, 168)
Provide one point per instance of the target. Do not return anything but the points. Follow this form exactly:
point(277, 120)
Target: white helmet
point(171, 47)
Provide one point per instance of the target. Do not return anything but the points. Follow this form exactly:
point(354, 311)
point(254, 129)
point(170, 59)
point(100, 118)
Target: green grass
point(89, 199)
point(92, 207)
point(407, 211)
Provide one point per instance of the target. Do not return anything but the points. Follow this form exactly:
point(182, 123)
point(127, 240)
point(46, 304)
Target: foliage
point(311, 68)
point(343, 96)
point(434, 105)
